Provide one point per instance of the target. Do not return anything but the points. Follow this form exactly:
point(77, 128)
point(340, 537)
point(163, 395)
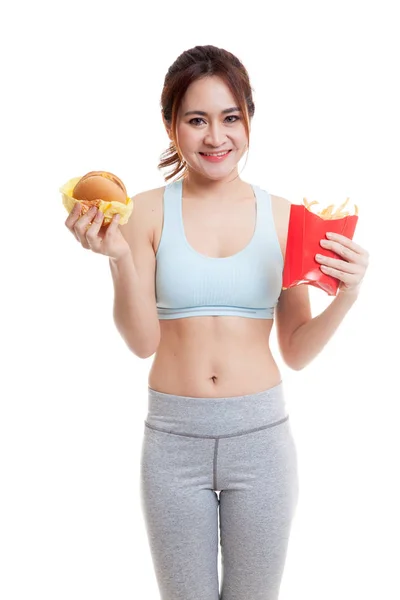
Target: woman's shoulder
point(280, 206)
point(148, 209)
point(149, 196)
point(149, 202)
point(281, 214)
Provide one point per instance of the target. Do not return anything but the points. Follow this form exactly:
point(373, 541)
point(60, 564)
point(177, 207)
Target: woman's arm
point(135, 313)
point(135, 310)
point(302, 337)
point(309, 339)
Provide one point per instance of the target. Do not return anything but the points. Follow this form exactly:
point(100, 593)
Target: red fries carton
point(305, 231)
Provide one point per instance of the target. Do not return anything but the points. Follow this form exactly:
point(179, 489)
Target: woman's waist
point(217, 416)
point(207, 372)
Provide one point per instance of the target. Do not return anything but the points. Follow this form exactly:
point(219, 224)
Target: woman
point(197, 273)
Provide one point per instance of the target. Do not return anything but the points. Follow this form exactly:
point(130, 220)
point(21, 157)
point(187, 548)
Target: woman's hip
point(218, 416)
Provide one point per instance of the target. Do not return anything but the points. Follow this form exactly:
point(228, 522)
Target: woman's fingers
point(72, 219)
point(88, 229)
point(73, 215)
point(349, 271)
point(81, 225)
point(347, 242)
point(336, 263)
point(92, 232)
point(113, 225)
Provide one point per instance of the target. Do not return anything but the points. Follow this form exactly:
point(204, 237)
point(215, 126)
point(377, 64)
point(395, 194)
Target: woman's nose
point(214, 136)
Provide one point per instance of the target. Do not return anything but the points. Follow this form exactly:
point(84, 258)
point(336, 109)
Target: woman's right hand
point(87, 229)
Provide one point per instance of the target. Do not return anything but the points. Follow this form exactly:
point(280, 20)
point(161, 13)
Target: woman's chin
point(215, 173)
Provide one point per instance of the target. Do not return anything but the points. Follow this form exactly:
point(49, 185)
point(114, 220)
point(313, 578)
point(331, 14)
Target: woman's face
point(213, 132)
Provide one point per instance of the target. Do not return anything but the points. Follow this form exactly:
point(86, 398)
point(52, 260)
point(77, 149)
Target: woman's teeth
point(215, 154)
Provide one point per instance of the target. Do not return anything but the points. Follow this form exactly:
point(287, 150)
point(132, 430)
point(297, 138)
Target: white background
point(82, 84)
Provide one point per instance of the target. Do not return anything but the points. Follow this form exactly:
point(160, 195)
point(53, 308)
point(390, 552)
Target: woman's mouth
point(215, 157)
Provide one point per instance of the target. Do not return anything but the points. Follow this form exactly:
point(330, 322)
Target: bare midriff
point(214, 357)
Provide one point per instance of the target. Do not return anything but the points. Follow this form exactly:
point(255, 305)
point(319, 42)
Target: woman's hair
point(193, 64)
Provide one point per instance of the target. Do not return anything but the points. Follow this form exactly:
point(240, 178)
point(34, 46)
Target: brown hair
point(193, 64)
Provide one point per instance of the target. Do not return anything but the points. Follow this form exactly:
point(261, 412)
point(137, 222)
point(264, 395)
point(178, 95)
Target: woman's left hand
point(350, 268)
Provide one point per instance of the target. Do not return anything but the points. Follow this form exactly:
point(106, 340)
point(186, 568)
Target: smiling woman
point(218, 136)
point(201, 290)
point(227, 91)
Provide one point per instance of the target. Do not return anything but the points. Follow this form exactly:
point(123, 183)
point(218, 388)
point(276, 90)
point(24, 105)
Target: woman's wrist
point(123, 258)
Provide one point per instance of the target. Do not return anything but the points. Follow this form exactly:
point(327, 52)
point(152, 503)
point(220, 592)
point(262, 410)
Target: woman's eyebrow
point(201, 112)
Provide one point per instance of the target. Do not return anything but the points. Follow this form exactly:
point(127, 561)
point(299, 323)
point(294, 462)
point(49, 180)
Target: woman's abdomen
point(214, 357)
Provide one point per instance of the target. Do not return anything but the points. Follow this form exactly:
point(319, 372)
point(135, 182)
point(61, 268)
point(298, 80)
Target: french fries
point(329, 212)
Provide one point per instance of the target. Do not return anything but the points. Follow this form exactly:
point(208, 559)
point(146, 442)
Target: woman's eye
point(197, 119)
point(233, 117)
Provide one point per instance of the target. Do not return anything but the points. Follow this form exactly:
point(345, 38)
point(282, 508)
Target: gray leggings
point(241, 447)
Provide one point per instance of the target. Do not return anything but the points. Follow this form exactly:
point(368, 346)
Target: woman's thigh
point(258, 478)
point(181, 514)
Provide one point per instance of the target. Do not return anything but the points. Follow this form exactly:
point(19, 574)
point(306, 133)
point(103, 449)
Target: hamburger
point(102, 189)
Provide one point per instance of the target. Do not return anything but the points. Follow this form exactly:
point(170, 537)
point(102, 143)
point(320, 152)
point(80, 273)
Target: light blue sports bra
point(190, 284)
